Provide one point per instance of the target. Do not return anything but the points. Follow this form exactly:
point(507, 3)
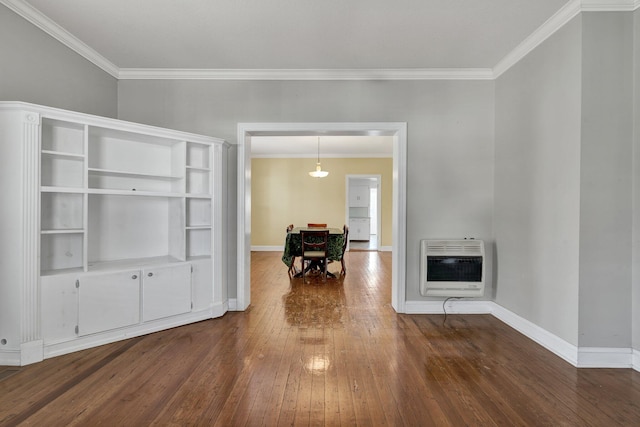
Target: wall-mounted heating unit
point(452, 268)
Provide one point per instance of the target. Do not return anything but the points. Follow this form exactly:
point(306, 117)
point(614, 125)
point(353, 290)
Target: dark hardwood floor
point(333, 354)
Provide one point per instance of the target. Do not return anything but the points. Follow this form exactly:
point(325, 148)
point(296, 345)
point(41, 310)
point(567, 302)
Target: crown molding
point(307, 74)
point(610, 5)
point(546, 30)
point(557, 21)
point(43, 22)
point(553, 24)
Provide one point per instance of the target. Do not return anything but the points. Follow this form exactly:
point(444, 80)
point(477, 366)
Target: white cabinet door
point(166, 291)
point(108, 301)
point(359, 196)
point(359, 229)
point(59, 307)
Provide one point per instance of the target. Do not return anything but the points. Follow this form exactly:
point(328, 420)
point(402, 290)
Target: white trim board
point(307, 74)
point(602, 357)
point(396, 129)
point(361, 155)
point(267, 248)
point(553, 24)
point(580, 357)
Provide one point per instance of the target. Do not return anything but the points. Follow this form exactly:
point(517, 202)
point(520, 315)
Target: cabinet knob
point(150, 274)
point(134, 277)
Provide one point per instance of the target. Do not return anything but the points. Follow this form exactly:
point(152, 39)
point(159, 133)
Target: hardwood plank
point(344, 384)
point(333, 354)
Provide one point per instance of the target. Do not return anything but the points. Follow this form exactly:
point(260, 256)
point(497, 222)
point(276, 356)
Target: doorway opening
point(364, 212)
point(398, 130)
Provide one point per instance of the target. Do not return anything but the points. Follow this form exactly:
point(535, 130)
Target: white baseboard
point(580, 357)
point(267, 248)
point(52, 349)
point(31, 352)
point(36, 351)
point(10, 358)
point(546, 339)
point(385, 249)
point(452, 307)
point(601, 357)
point(551, 342)
point(219, 309)
point(233, 304)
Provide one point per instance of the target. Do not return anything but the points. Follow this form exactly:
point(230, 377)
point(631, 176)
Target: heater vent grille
point(454, 247)
point(452, 268)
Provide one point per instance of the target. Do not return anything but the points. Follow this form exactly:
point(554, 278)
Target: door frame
point(378, 179)
point(398, 130)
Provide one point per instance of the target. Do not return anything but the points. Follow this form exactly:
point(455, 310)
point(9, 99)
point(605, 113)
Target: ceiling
point(306, 39)
point(298, 34)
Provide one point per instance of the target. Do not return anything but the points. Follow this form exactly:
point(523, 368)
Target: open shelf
point(103, 179)
point(68, 231)
point(197, 169)
point(69, 190)
point(132, 174)
point(198, 196)
point(134, 192)
point(198, 242)
point(62, 171)
point(63, 137)
point(198, 156)
point(198, 181)
point(61, 212)
point(111, 179)
point(198, 213)
point(61, 251)
point(142, 155)
point(62, 154)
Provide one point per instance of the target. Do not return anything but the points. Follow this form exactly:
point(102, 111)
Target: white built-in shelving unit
point(110, 229)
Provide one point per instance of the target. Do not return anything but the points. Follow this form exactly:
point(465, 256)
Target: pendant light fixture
point(318, 173)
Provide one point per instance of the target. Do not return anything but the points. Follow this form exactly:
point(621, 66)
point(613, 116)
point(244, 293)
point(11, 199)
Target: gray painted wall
point(563, 183)
point(450, 138)
point(36, 68)
point(606, 177)
point(537, 184)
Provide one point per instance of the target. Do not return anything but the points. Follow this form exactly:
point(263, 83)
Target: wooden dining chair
point(316, 225)
point(315, 248)
point(345, 231)
point(345, 236)
point(292, 269)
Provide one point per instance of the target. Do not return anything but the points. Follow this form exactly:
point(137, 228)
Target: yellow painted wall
point(283, 193)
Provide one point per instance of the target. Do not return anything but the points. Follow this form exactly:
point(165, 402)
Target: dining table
point(293, 245)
